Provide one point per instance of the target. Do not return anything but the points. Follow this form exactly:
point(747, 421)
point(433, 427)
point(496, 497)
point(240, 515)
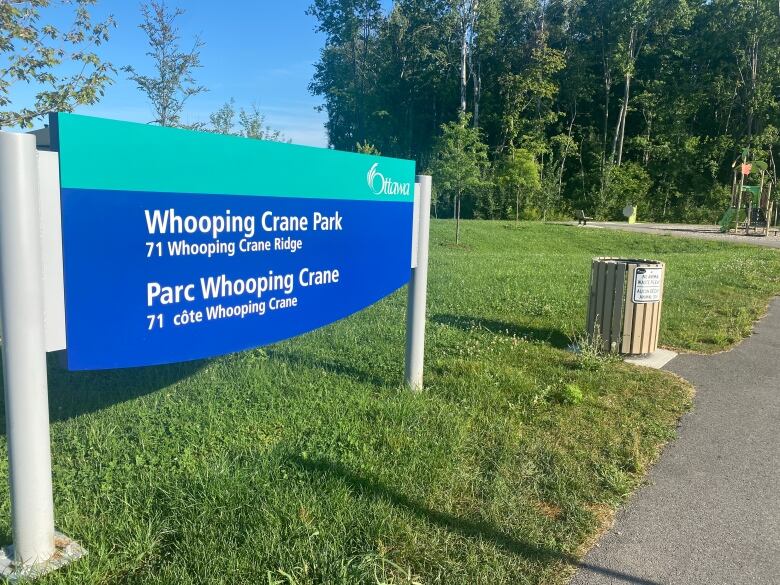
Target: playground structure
point(760, 210)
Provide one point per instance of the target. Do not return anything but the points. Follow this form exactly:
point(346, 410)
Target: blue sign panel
point(180, 245)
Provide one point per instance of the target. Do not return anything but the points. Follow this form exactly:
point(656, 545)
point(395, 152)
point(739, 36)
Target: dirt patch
point(552, 511)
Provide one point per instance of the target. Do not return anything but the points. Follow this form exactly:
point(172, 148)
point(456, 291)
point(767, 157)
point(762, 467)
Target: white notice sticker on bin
point(647, 285)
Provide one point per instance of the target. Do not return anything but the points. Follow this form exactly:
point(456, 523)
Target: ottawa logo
point(382, 186)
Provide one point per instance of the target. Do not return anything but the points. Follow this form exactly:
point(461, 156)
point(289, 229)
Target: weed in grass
point(569, 394)
point(591, 353)
point(615, 480)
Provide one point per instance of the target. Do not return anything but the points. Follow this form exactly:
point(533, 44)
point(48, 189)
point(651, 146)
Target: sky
point(260, 51)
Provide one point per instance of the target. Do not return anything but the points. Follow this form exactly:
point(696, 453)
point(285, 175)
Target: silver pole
point(418, 293)
point(24, 352)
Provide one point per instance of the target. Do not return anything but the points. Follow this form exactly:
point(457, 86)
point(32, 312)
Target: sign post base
point(66, 551)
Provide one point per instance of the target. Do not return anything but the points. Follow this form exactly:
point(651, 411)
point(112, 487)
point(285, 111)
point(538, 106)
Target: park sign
point(131, 245)
point(180, 245)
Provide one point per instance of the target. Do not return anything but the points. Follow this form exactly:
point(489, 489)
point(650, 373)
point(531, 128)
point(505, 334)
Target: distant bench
point(582, 219)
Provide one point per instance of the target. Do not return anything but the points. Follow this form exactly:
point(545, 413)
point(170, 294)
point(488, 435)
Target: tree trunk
point(615, 138)
point(753, 82)
point(624, 115)
point(362, 71)
point(607, 89)
point(604, 165)
point(620, 130)
point(477, 76)
point(566, 153)
point(457, 220)
point(463, 68)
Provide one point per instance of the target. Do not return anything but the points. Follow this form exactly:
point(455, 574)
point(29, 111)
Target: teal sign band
point(123, 156)
point(180, 245)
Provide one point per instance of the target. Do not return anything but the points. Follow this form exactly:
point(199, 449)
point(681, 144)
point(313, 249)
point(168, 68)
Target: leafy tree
point(529, 93)
point(460, 163)
point(629, 183)
point(251, 123)
point(223, 121)
point(517, 176)
point(473, 23)
point(173, 81)
point(638, 20)
point(482, 46)
point(62, 64)
point(673, 88)
point(367, 148)
point(345, 75)
point(755, 29)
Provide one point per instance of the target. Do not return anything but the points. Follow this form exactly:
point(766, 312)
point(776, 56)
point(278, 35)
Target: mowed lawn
point(306, 462)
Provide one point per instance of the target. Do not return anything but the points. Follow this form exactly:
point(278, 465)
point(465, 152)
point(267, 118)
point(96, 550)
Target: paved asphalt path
point(707, 232)
point(710, 513)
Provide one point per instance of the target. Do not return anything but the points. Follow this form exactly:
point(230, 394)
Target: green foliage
point(568, 394)
point(223, 121)
point(629, 183)
point(517, 179)
point(348, 69)
point(62, 64)
point(367, 148)
point(549, 193)
point(173, 81)
point(529, 98)
point(459, 166)
point(677, 89)
point(250, 124)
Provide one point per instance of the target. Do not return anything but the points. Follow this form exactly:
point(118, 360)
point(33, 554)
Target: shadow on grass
point(73, 394)
point(554, 337)
point(469, 528)
point(297, 360)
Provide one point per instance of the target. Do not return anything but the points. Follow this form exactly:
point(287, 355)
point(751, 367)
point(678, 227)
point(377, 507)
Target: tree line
point(520, 108)
point(537, 108)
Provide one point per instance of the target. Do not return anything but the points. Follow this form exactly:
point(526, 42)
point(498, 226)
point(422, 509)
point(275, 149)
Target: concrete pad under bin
point(656, 360)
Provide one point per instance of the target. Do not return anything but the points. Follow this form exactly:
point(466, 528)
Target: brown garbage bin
point(624, 309)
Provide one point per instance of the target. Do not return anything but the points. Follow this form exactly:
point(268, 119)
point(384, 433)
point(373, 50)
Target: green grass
point(539, 278)
point(306, 463)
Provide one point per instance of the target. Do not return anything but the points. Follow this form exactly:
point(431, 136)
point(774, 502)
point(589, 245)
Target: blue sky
point(260, 51)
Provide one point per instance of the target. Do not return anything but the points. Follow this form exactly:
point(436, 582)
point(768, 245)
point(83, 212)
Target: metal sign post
point(24, 367)
point(418, 292)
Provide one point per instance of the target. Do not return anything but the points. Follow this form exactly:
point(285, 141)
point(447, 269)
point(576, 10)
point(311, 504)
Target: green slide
point(727, 220)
